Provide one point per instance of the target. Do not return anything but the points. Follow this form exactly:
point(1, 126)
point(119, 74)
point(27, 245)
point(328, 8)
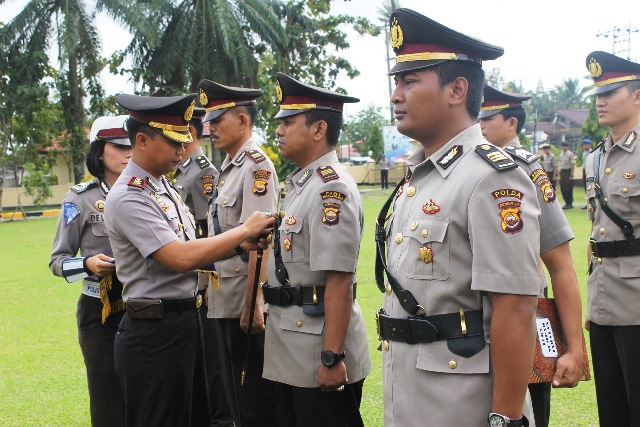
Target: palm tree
point(67, 23)
point(569, 95)
point(387, 8)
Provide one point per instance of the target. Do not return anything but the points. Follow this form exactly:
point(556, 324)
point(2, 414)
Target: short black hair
point(448, 71)
point(134, 126)
point(95, 165)
point(633, 86)
point(196, 123)
point(517, 113)
point(333, 120)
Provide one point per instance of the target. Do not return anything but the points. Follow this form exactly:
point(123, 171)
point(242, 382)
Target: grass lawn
point(42, 377)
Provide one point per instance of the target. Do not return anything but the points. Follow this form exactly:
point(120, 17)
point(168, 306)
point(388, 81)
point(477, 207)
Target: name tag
point(94, 218)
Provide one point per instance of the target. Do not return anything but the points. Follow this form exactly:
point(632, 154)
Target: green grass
point(42, 377)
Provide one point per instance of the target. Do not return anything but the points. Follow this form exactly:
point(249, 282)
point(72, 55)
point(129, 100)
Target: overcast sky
point(543, 40)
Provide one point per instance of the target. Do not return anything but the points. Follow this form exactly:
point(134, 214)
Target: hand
point(255, 244)
point(258, 320)
point(101, 265)
point(331, 379)
point(259, 223)
point(568, 370)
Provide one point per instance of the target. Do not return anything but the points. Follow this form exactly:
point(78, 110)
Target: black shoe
point(567, 206)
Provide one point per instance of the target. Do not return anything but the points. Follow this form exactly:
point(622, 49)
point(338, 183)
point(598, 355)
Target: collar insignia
point(447, 160)
point(304, 178)
point(630, 139)
point(240, 157)
point(105, 187)
point(186, 163)
point(152, 184)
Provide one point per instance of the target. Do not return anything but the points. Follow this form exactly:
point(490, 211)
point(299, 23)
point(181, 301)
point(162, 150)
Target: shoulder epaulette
point(84, 186)
point(522, 154)
point(203, 162)
point(256, 156)
point(600, 144)
point(136, 182)
point(495, 157)
point(327, 173)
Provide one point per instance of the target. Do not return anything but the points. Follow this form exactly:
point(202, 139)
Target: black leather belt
point(295, 295)
point(615, 249)
point(427, 329)
point(181, 305)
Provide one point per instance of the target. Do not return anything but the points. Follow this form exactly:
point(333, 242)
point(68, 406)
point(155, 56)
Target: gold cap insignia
point(397, 36)
point(426, 254)
point(278, 91)
point(100, 205)
point(204, 100)
point(189, 113)
point(595, 69)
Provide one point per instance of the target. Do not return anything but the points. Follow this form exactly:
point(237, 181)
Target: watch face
point(327, 358)
point(496, 420)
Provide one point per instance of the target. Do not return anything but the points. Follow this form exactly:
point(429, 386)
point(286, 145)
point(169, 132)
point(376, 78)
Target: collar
point(240, 155)
point(299, 177)
point(104, 186)
point(133, 169)
point(190, 160)
point(627, 143)
point(515, 143)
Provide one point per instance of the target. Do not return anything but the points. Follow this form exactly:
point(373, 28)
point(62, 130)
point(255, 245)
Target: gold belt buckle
point(594, 248)
point(198, 301)
point(378, 325)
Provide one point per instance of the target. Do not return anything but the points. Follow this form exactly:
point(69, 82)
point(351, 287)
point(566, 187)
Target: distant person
point(586, 149)
point(550, 164)
point(100, 307)
point(613, 285)
point(384, 171)
point(567, 161)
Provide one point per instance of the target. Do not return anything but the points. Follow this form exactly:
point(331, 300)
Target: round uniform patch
point(331, 213)
point(511, 219)
point(260, 187)
point(207, 188)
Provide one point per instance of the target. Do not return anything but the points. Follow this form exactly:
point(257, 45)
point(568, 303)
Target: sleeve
point(143, 225)
point(202, 190)
point(66, 243)
point(260, 190)
point(335, 228)
point(504, 231)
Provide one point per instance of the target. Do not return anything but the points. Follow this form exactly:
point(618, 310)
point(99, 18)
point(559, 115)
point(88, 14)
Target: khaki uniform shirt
point(550, 162)
point(80, 227)
point(247, 183)
point(195, 179)
point(613, 287)
point(482, 227)
point(566, 159)
point(321, 232)
point(143, 214)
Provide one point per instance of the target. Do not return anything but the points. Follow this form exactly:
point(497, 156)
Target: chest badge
point(286, 244)
point(430, 207)
point(628, 175)
point(100, 205)
point(290, 220)
point(426, 254)
point(331, 213)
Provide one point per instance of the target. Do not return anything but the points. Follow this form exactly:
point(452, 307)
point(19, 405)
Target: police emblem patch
point(260, 184)
point(595, 69)
point(70, 212)
point(331, 213)
point(204, 100)
point(628, 175)
point(426, 254)
point(207, 187)
point(397, 35)
point(99, 205)
point(510, 214)
point(540, 178)
point(430, 207)
point(286, 244)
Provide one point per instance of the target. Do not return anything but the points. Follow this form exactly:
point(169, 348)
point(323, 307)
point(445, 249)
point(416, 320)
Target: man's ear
point(319, 129)
point(142, 140)
point(459, 88)
point(513, 123)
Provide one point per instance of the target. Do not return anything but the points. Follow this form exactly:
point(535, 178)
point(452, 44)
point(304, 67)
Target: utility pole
point(620, 35)
point(386, 42)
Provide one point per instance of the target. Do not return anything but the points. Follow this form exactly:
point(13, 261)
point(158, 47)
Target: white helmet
point(109, 128)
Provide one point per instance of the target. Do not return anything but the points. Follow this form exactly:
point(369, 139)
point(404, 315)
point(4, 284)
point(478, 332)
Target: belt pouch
point(143, 308)
point(311, 309)
point(466, 346)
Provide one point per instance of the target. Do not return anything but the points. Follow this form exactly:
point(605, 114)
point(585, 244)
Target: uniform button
point(625, 190)
point(299, 323)
point(607, 171)
point(385, 345)
point(414, 225)
point(599, 260)
point(224, 202)
point(411, 191)
point(602, 230)
point(286, 228)
point(221, 183)
point(588, 187)
point(237, 270)
point(606, 199)
point(174, 181)
point(399, 238)
point(424, 233)
point(453, 364)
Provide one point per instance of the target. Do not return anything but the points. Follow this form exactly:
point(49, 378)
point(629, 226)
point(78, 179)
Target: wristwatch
point(330, 359)
point(499, 420)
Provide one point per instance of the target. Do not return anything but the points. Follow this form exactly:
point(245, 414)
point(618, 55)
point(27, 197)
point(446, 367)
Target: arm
point(569, 304)
point(512, 348)
point(338, 303)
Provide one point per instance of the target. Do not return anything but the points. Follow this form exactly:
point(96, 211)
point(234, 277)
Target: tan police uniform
point(459, 229)
point(549, 164)
point(321, 231)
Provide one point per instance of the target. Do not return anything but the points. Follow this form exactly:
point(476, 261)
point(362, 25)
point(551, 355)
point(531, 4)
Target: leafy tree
point(591, 127)
point(37, 183)
point(364, 131)
point(570, 95)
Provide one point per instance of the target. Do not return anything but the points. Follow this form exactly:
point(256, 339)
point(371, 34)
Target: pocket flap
point(294, 319)
point(626, 189)
point(226, 200)
point(436, 357)
point(629, 267)
point(428, 230)
point(232, 267)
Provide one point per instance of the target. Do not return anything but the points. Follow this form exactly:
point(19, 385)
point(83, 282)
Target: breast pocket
point(293, 319)
point(292, 241)
point(98, 229)
point(228, 212)
point(625, 198)
point(427, 250)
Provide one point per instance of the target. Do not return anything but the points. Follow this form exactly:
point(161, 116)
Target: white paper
point(545, 336)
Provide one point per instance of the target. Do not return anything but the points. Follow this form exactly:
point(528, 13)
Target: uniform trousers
point(96, 342)
point(160, 363)
point(566, 186)
point(550, 174)
point(541, 403)
point(312, 407)
point(384, 178)
point(614, 352)
point(257, 402)
point(220, 411)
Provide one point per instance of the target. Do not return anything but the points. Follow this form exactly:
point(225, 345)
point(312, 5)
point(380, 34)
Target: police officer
point(613, 286)
point(501, 120)
point(586, 149)
point(550, 164)
point(158, 348)
point(316, 341)
point(567, 162)
point(195, 180)
point(463, 243)
point(100, 307)
point(247, 182)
